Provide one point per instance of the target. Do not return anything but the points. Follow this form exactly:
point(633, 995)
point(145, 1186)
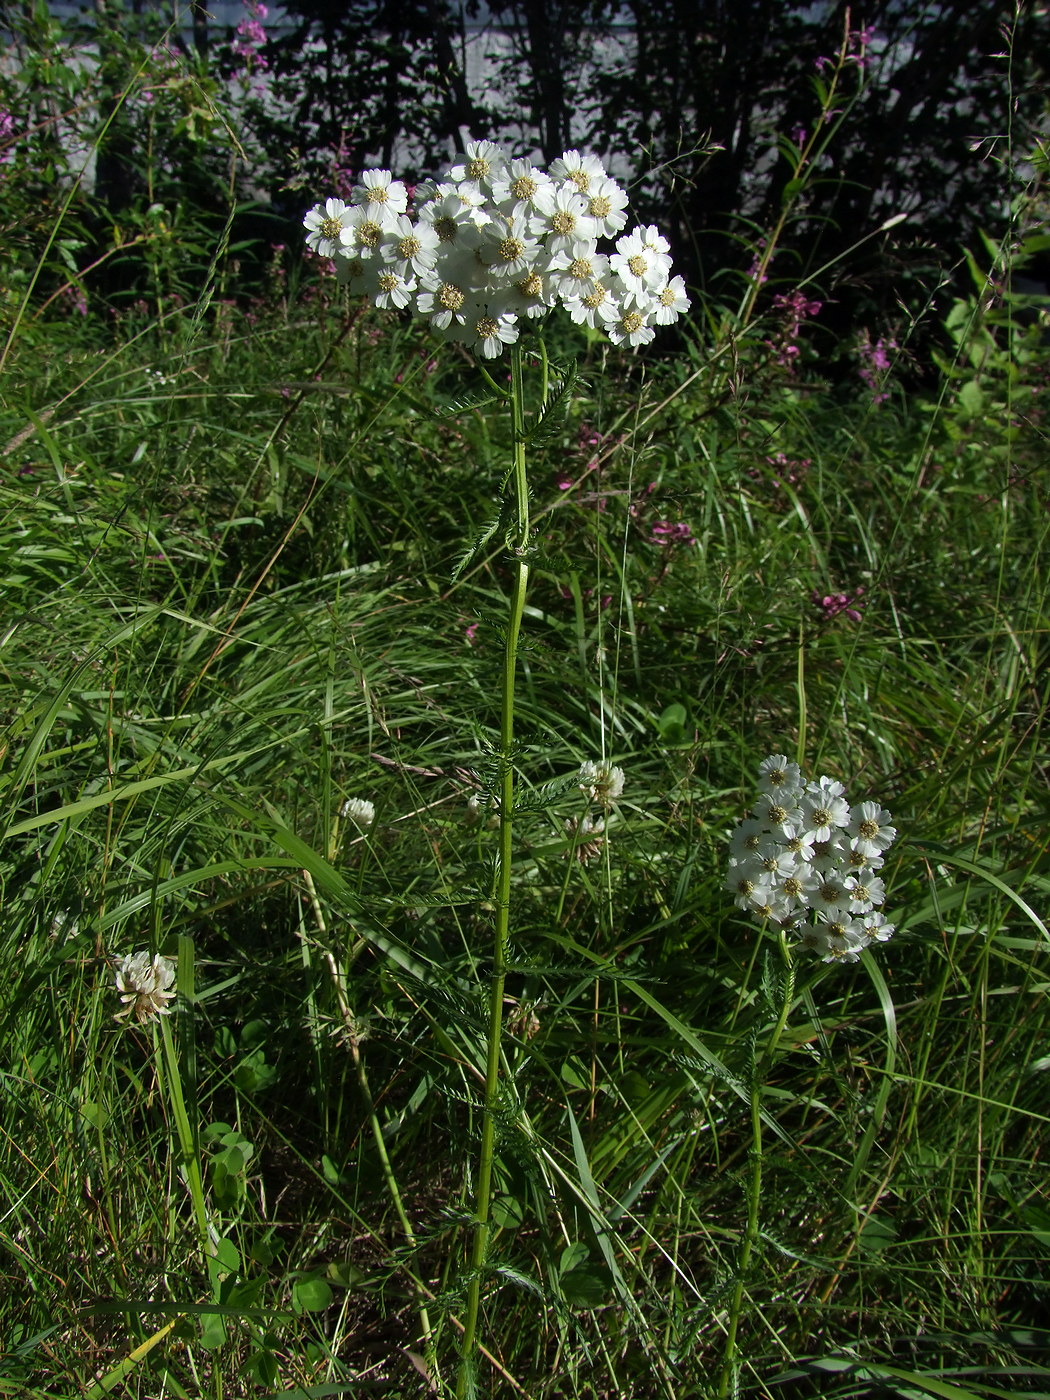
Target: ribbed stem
point(501, 929)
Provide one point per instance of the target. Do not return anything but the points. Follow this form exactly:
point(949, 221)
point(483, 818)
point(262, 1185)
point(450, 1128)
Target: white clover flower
point(143, 984)
point(359, 810)
point(600, 782)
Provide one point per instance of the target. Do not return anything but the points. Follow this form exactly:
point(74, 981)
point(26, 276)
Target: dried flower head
point(143, 984)
point(589, 836)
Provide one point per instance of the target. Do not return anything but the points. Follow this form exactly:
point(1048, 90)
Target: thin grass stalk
point(754, 1183)
point(353, 1036)
point(519, 538)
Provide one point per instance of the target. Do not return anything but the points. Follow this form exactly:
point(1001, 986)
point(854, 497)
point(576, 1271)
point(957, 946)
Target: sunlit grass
point(230, 607)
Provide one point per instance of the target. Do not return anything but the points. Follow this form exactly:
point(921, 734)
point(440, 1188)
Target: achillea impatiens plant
point(495, 241)
point(808, 863)
point(491, 247)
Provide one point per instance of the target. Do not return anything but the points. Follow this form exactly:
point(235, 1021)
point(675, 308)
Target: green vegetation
point(230, 524)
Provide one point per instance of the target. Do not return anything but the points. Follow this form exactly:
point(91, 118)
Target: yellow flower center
point(330, 228)
point(581, 268)
point(531, 286)
point(524, 187)
point(388, 281)
point(368, 234)
point(511, 249)
point(410, 246)
point(631, 322)
point(580, 179)
point(638, 265)
point(450, 296)
point(487, 327)
point(601, 207)
point(563, 222)
point(594, 299)
point(478, 168)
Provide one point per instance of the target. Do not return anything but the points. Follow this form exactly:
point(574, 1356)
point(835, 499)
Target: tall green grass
point(228, 541)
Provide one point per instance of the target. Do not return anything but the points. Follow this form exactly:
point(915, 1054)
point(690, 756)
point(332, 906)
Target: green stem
point(486, 1156)
point(754, 1184)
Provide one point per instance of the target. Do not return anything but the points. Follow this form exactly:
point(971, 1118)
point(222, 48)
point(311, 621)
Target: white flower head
point(579, 171)
point(778, 775)
point(870, 829)
point(380, 192)
point(507, 249)
point(600, 782)
point(324, 226)
point(482, 166)
point(359, 810)
point(411, 248)
point(143, 983)
point(523, 189)
point(487, 329)
point(824, 808)
point(641, 265)
point(607, 206)
point(632, 325)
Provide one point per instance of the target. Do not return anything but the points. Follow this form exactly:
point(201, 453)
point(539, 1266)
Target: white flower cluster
point(804, 860)
point(498, 239)
point(143, 984)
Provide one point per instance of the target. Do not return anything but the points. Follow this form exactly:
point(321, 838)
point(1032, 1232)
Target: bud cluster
point(807, 862)
point(497, 239)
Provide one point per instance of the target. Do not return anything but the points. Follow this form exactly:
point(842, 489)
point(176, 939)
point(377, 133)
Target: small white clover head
point(359, 810)
point(600, 782)
point(143, 983)
point(803, 861)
